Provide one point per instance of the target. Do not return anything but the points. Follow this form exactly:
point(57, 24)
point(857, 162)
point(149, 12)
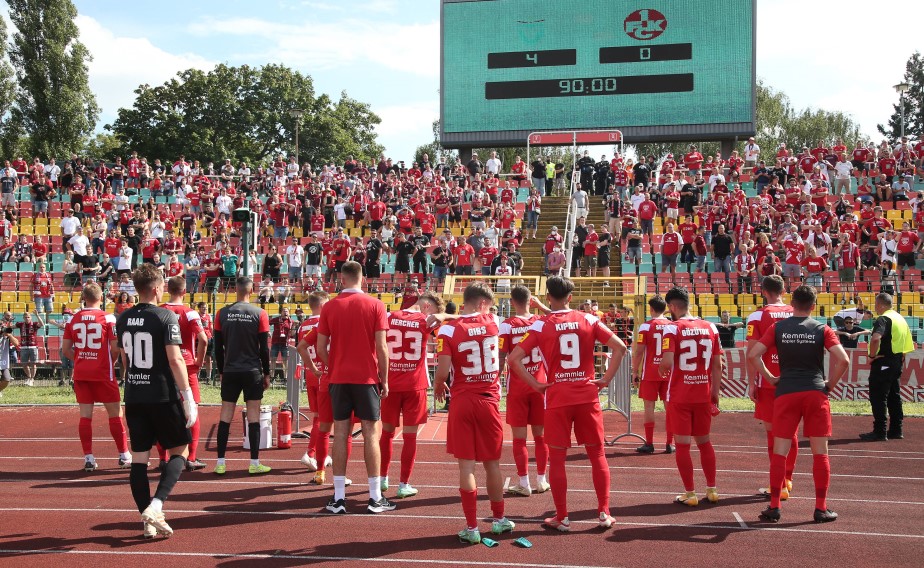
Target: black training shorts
point(249, 383)
point(349, 399)
point(163, 423)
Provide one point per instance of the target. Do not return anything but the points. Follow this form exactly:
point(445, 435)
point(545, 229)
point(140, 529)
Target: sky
point(843, 56)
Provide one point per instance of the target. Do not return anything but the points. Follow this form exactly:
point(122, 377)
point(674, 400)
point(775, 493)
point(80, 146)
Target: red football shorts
point(810, 407)
point(763, 408)
point(690, 418)
point(312, 391)
point(89, 392)
point(586, 420)
point(652, 390)
point(526, 410)
point(411, 405)
point(325, 408)
point(475, 430)
point(193, 373)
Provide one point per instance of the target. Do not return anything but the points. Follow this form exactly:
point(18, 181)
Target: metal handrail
point(570, 224)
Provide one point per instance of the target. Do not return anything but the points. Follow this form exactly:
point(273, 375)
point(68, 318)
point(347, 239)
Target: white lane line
point(535, 521)
point(303, 557)
point(741, 522)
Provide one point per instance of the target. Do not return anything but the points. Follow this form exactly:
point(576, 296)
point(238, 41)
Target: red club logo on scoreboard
point(645, 24)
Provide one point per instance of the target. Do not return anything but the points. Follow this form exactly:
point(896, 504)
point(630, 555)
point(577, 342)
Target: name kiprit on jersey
point(568, 325)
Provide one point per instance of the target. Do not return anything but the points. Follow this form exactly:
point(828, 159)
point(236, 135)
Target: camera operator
point(7, 342)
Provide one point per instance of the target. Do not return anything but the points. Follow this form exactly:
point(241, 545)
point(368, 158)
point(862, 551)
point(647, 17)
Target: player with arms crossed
point(193, 348)
point(761, 391)
point(468, 348)
point(651, 384)
point(566, 340)
point(90, 342)
point(159, 405)
point(692, 355)
point(801, 395)
point(311, 369)
point(408, 380)
point(525, 406)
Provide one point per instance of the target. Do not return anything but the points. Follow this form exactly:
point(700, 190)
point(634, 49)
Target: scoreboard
point(655, 69)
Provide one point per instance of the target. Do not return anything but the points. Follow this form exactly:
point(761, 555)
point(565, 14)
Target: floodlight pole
point(901, 89)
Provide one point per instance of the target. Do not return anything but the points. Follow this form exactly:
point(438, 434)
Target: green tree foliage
point(53, 104)
point(102, 146)
point(7, 92)
point(242, 113)
point(914, 102)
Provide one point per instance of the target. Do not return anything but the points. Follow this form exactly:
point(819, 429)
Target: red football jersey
point(695, 344)
point(566, 340)
point(651, 335)
point(512, 331)
point(758, 323)
point(190, 326)
point(407, 351)
point(91, 332)
point(472, 343)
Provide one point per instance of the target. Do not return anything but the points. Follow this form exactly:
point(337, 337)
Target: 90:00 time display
point(580, 86)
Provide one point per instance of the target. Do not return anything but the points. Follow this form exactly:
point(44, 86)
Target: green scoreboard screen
point(655, 69)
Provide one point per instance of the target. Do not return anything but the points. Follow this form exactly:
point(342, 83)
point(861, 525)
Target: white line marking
point(535, 521)
point(741, 522)
point(302, 557)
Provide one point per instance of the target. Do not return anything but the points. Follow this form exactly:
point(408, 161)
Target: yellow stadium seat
point(702, 299)
point(707, 311)
point(8, 297)
point(726, 299)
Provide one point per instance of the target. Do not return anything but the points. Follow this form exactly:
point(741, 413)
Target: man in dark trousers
point(890, 341)
point(159, 403)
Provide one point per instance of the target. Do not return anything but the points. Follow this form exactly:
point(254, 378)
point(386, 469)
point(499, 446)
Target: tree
point(102, 146)
point(242, 113)
point(914, 102)
point(54, 105)
point(7, 91)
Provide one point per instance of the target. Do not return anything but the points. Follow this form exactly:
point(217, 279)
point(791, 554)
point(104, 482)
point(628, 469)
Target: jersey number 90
point(139, 347)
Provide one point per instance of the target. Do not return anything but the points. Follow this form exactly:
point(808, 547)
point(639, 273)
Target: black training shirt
point(144, 332)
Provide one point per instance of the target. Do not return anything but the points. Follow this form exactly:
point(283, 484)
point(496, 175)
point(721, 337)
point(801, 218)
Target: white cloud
point(348, 44)
point(842, 59)
point(121, 63)
point(406, 126)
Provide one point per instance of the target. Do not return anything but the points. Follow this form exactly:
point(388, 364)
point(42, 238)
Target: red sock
point(161, 452)
point(497, 509)
point(821, 472)
point(791, 456)
point(649, 433)
point(117, 429)
point(385, 449)
point(315, 433)
point(685, 466)
point(408, 456)
point(520, 456)
point(85, 431)
point(770, 444)
point(470, 507)
point(322, 448)
point(707, 459)
point(558, 479)
point(600, 471)
point(777, 478)
point(542, 454)
point(194, 444)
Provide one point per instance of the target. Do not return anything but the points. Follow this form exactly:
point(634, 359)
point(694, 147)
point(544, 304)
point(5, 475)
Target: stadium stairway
point(555, 214)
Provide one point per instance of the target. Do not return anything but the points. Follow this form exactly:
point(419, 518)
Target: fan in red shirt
point(887, 167)
point(670, 247)
point(465, 255)
point(468, 347)
point(908, 245)
point(651, 384)
point(693, 160)
point(525, 406)
point(313, 368)
point(193, 346)
point(760, 390)
point(90, 341)
point(692, 355)
point(352, 343)
point(408, 381)
point(566, 339)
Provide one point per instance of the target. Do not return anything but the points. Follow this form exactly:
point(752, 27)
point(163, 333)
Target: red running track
point(52, 512)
